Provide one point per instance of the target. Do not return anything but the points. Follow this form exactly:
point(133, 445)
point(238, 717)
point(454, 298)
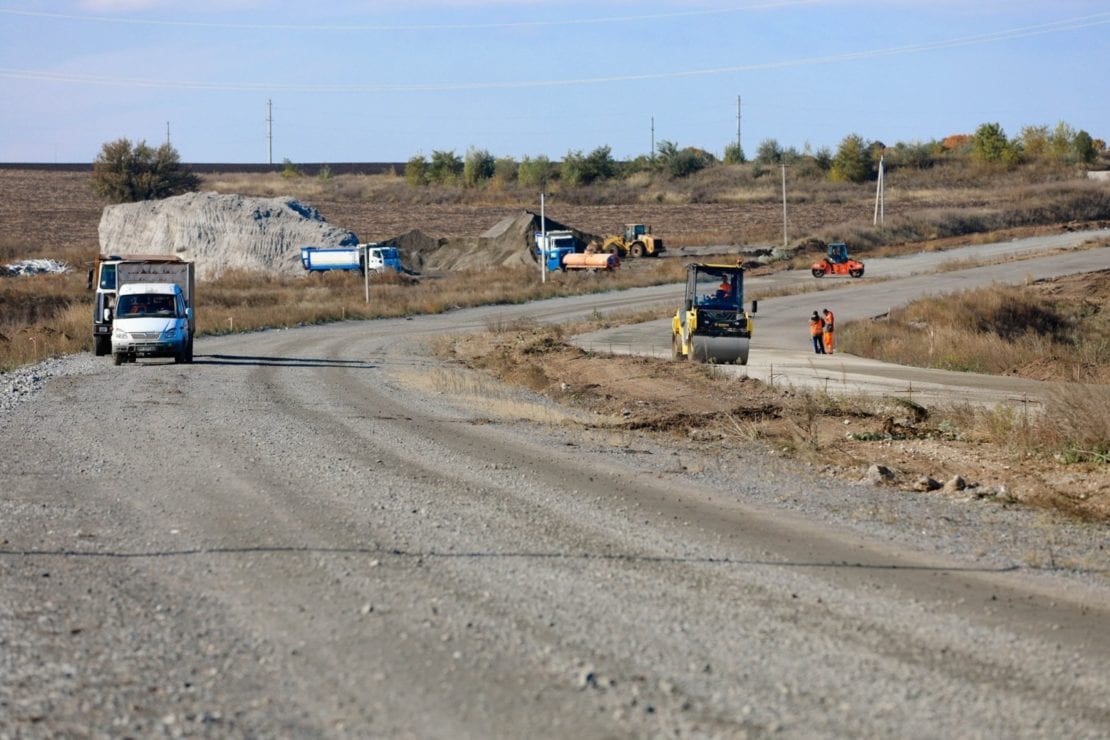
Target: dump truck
point(711, 325)
point(837, 262)
point(110, 272)
point(372, 256)
point(636, 241)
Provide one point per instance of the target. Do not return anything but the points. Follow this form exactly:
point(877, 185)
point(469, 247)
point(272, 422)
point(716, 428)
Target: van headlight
point(121, 335)
point(170, 332)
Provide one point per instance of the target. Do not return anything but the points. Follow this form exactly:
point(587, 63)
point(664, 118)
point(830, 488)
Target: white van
point(151, 320)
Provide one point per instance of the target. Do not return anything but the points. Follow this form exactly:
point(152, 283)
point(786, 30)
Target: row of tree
point(855, 160)
point(125, 172)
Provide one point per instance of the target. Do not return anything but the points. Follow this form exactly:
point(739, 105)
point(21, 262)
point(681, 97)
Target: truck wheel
point(117, 358)
point(817, 273)
point(102, 346)
point(189, 350)
point(637, 250)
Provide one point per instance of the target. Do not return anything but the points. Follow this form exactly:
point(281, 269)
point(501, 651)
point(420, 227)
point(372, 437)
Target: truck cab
point(380, 259)
point(151, 320)
point(554, 246)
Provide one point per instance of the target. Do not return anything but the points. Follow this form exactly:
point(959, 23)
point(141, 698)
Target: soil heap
point(220, 232)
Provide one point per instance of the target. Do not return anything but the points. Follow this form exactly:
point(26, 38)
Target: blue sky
point(382, 80)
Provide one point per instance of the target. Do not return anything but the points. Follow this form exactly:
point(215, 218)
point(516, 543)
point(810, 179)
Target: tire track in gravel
point(344, 391)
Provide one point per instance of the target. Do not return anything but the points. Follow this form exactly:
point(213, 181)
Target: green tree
point(769, 152)
point(126, 173)
point(535, 173)
point(989, 143)
point(446, 167)
point(1084, 147)
point(600, 165)
point(1060, 142)
point(852, 162)
point(734, 154)
point(477, 167)
point(682, 162)
point(505, 170)
point(1034, 140)
point(570, 171)
point(416, 170)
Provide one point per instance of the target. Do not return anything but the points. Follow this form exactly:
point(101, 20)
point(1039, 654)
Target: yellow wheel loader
point(636, 241)
point(712, 325)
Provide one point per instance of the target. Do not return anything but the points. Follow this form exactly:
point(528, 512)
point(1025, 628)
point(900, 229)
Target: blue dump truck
point(377, 258)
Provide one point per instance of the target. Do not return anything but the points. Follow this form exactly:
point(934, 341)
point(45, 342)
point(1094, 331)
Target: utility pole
point(784, 240)
point(543, 243)
point(167, 133)
point(738, 147)
point(880, 205)
point(270, 127)
point(653, 138)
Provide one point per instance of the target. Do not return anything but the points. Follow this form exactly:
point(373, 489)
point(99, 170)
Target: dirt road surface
point(325, 532)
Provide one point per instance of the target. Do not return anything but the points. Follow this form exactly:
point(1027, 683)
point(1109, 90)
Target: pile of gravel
point(24, 383)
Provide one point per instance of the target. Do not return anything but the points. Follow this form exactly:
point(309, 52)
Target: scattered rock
point(926, 483)
point(954, 484)
point(877, 475)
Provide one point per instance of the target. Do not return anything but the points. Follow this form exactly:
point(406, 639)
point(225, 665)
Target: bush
point(478, 167)
point(535, 173)
point(289, 170)
point(416, 171)
point(126, 173)
point(446, 167)
point(852, 161)
point(734, 154)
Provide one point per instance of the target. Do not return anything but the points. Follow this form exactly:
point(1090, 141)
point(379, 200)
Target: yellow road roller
point(712, 325)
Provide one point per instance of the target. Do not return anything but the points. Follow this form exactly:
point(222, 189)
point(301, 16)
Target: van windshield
point(146, 305)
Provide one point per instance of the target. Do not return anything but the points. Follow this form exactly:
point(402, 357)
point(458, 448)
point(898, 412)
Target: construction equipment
point(373, 257)
point(636, 241)
point(562, 250)
point(712, 325)
point(837, 262)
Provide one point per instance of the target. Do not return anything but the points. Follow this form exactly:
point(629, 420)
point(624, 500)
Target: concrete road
point(781, 351)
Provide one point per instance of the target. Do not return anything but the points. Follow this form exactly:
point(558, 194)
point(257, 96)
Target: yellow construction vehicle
point(636, 241)
point(712, 325)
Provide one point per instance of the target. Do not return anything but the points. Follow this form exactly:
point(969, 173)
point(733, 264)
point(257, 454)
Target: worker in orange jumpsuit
point(816, 329)
point(827, 331)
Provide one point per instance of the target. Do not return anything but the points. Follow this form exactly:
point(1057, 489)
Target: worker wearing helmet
point(816, 329)
point(827, 332)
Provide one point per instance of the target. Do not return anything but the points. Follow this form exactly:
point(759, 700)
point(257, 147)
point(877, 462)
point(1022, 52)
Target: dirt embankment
point(843, 437)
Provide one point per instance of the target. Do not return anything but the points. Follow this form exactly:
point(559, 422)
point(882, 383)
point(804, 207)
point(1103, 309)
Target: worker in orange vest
point(827, 332)
point(816, 328)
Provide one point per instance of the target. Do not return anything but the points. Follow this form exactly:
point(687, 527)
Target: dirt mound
point(220, 232)
point(506, 243)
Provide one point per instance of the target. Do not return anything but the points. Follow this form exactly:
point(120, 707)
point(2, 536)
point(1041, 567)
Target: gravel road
point(313, 533)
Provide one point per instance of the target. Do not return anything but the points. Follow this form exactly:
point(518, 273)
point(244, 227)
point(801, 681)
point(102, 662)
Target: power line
point(1073, 24)
point(347, 28)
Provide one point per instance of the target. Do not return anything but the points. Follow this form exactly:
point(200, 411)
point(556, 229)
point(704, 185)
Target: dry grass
point(51, 315)
point(1001, 330)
